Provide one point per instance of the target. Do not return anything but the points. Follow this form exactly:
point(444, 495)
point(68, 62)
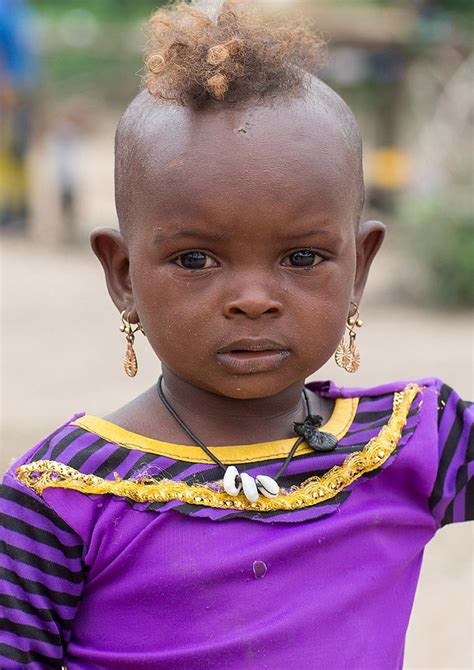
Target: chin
point(251, 386)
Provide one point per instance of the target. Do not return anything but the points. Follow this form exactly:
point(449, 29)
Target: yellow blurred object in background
point(13, 178)
point(389, 168)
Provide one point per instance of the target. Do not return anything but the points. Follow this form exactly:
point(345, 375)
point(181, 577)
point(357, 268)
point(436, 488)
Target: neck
point(221, 420)
point(194, 401)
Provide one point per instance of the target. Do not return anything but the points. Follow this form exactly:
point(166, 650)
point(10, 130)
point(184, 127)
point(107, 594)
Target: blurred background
point(68, 69)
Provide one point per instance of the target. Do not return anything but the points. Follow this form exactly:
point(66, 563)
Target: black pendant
point(317, 439)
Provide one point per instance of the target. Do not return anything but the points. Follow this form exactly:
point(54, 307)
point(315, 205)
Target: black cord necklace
point(234, 481)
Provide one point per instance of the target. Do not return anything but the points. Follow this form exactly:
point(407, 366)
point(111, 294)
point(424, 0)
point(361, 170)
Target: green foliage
point(458, 6)
point(110, 10)
point(439, 235)
point(112, 77)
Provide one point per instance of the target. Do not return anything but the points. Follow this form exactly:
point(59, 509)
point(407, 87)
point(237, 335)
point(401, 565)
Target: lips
point(253, 344)
point(248, 355)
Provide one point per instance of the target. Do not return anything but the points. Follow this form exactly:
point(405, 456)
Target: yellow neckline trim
point(39, 475)
point(338, 424)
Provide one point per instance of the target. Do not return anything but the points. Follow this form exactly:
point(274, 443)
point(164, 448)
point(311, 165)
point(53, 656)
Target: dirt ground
point(62, 352)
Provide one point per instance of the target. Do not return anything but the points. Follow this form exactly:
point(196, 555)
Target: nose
point(252, 302)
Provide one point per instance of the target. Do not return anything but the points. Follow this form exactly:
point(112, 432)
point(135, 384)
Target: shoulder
point(331, 389)
point(438, 424)
point(424, 399)
point(436, 397)
point(26, 510)
point(73, 451)
point(42, 449)
point(404, 397)
point(69, 444)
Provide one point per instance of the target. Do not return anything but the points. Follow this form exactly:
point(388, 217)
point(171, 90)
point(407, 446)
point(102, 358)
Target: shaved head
point(272, 142)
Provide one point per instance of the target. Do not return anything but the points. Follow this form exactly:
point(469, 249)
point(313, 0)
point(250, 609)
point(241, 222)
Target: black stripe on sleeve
point(43, 448)
point(28, 502)
point(41, 564)
point(448, 452)
point(448, 514)
point(179, 467)
point(470, 483)
point(81, 457)
point(39, 535)
point(380, 423)
point(140, 464)
point(14, 603)
point(26, 657)
point(65, 442)
point(39, 589)
point(370, 417)
point(470, 500)
point(462, 482)
point(173, 470)
point(443, 397)
point(112, 462)
point(31, 632)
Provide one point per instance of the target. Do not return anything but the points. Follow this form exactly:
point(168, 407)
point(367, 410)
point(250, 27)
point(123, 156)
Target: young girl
point(131, 541)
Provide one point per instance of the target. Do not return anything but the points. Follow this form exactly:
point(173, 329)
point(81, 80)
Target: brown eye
point(303, 258)
point(195, 260)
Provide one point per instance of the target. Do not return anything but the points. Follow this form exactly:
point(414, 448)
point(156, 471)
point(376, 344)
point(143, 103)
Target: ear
point(111, 249)
point(369, 239)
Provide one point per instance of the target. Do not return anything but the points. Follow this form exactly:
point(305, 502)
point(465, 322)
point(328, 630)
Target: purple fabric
point(128, 586)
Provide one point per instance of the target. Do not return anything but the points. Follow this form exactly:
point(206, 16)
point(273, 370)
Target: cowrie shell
point(232, 481)
point(250, 487)
point(267, 485)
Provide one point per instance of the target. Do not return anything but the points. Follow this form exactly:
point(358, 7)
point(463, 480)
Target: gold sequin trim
point(39, 475)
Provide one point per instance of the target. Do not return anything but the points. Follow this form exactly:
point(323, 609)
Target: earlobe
point(111, 249)
point(369, 239)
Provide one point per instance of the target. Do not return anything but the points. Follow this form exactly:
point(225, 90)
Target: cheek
point(322, 311)
point(320, 331)
point(171, 312)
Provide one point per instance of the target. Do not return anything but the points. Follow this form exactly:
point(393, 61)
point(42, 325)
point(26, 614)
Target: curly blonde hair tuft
point(202, 53)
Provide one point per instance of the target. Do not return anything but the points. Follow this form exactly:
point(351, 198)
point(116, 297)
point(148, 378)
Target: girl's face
point(240, 252)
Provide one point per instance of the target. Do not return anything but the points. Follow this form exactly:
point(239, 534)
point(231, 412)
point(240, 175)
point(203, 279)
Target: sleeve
point(41, 578)
point(452, 497)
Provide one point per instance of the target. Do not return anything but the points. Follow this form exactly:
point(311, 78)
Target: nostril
point(251, 313)
point(252, 308)
point(236, 310)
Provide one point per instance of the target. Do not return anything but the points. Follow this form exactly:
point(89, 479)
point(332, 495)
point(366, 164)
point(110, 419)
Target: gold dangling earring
point(347, 355)
point(130, 362)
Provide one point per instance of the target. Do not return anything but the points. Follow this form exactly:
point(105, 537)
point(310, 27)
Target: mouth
point(250, 355)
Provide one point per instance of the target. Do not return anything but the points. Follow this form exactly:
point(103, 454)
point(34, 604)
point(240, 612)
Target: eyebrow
point(201, 234)
point(309, 232)
point(219, 237)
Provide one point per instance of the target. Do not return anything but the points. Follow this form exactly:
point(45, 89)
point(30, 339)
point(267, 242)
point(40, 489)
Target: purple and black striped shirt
point(102, 581)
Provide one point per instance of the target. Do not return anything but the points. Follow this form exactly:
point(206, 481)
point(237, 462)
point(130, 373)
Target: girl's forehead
point(272, 140)
point(278, 158)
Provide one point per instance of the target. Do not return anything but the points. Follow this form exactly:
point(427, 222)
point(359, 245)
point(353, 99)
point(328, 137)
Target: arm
point(41, 578)
point(452, 498)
